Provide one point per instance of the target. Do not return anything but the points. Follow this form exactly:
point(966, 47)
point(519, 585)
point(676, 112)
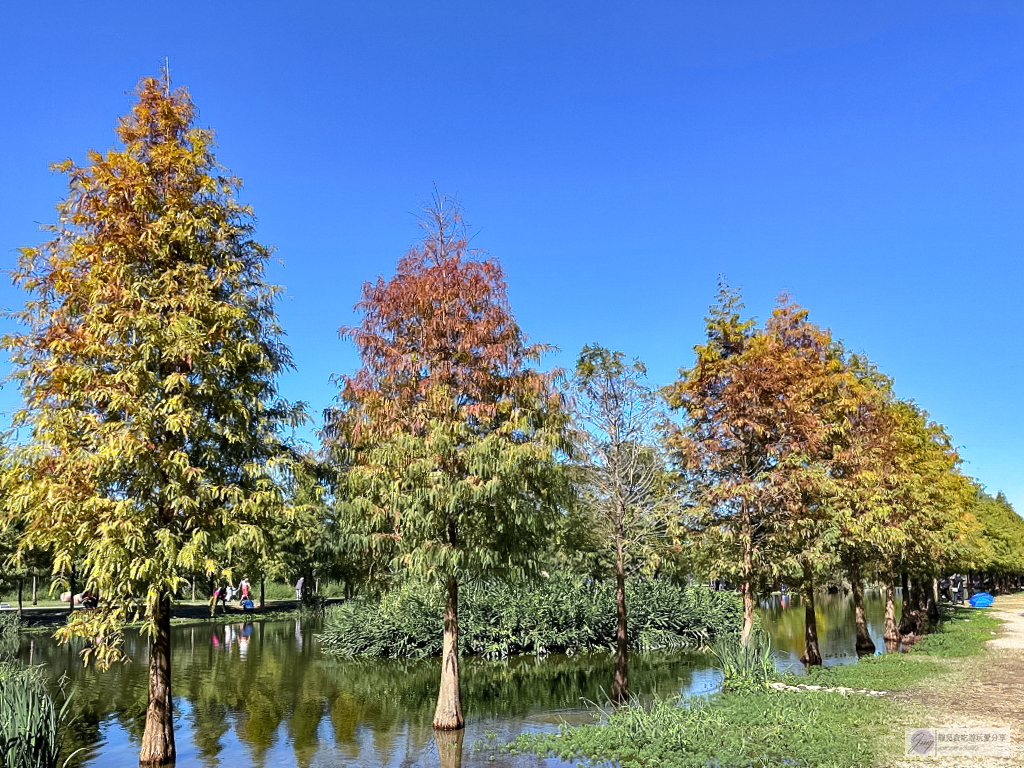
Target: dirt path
point(987, 691)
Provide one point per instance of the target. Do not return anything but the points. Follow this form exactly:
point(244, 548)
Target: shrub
point(562, 614)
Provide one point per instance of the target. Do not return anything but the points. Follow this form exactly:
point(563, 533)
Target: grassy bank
point(775, 728)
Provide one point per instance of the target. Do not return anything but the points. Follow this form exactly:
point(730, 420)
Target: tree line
point(153, 445)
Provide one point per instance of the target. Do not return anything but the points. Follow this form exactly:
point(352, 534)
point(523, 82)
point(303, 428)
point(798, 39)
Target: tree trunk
point(914, 622)
point(263, 592)
point(158, 738)
point(891, 634)
point(748, 574)
point(448, 714)
point(35, 600)
point(21, 587)
point(921, 598)
point(620, 683)
point(865, 645)
point(71, 586)
point(812, 654)
point(933, 603)
point(908, 621)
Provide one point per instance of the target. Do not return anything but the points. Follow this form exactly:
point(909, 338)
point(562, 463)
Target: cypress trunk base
point(812, 654)
point(158, 738)
point(891, 634)
point(448, 714)
point(865, 645)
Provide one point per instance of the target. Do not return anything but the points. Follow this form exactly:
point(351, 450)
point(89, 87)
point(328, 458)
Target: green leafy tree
point(999, 549)
point(621, 477)
point(447, 437)
point(930, 500)
point(753, 447)
point(148, 368)
point(859, 468)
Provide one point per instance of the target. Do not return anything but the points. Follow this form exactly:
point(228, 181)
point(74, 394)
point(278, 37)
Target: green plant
point(745, 667)
point(30, 720)
point(561, 614)
point(313, 605)
point(964, 633)
point(766, 728)
point(10, 624)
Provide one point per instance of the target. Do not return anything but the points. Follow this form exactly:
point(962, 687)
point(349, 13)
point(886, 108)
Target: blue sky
point(616, 158)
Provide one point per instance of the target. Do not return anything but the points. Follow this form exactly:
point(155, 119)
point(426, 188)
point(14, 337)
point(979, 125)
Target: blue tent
point(981, 600)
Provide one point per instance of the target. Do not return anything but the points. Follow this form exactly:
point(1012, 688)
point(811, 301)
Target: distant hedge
point(562, 614)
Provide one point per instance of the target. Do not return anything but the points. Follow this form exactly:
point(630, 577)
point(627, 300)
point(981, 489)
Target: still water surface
point(262, 694)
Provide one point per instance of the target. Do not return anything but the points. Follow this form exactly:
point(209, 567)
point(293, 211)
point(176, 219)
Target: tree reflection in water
point(262, 694)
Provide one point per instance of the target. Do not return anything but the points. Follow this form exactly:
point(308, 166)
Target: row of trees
point(153, 443)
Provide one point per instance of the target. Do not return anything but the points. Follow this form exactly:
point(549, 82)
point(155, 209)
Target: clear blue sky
point(615, 157)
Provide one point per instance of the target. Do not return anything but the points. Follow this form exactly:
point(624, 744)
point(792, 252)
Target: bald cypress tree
point(447, 435)
point(148, 366)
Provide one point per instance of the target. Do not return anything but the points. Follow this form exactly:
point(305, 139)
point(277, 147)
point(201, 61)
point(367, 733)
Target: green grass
point(829, 730)
point(962, 634)
point(888, 672)
point(772, 728)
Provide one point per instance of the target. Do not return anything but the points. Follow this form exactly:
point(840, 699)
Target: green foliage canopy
point(447, 438)
point(148, 368)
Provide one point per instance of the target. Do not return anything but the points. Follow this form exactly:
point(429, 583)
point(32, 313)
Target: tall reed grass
point(747, 667)
point(31, 722)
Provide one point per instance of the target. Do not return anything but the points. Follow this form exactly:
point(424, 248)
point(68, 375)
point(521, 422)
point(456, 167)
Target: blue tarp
point(981, 600)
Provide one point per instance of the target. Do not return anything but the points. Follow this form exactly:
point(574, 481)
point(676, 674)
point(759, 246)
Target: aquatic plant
point(30, 719)
point(10, 624)
point(745, 667)
point(562, 614)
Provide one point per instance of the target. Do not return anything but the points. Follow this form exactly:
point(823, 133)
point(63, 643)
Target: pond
point(783, 618)
point(262, 694)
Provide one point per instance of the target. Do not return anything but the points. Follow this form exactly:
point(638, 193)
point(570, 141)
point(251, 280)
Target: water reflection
point(261, 694)
point(783, 618)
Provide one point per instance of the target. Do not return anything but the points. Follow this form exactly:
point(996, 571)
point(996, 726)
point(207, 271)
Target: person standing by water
point(218, 596)
point(243, 591)
point(298, 587)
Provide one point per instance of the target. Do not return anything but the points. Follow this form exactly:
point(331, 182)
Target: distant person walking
point(298, 587)
point(243, 591)
point(956, 588)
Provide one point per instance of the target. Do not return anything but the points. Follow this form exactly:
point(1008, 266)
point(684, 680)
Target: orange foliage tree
point(447, 438)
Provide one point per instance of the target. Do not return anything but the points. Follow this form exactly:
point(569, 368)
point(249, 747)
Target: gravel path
point(988, 692)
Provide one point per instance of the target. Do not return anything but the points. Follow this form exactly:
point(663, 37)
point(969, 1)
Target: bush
point(558, 615)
